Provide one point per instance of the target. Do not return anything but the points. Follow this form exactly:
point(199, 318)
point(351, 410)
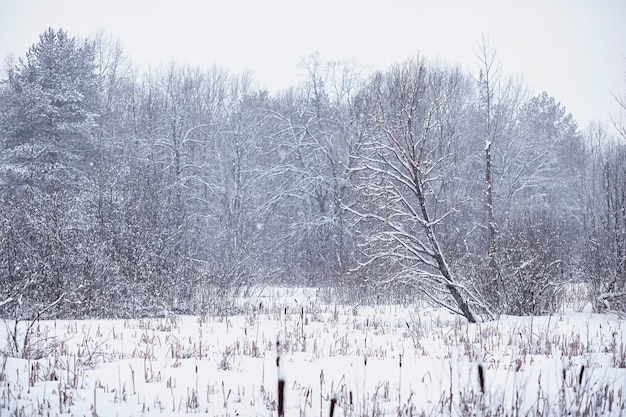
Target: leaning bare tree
point(402, 171)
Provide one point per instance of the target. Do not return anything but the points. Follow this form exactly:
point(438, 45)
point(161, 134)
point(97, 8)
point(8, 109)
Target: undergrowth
point(356, 360)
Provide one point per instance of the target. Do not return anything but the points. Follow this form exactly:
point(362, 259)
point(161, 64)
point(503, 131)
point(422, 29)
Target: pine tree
point(51, 102)
point(53, 96)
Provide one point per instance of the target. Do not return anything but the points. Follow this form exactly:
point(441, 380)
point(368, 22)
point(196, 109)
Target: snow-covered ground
point(368, 360)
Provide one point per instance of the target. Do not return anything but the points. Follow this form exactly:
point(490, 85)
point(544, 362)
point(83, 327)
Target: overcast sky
point(573, 49)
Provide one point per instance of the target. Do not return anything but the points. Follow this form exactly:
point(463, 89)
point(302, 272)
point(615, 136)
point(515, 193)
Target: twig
point(35, 319)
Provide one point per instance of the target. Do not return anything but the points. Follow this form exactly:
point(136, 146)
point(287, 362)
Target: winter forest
point(128, 193)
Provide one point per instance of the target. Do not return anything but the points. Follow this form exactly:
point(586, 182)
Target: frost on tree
point(402, 168)
point(48, 153)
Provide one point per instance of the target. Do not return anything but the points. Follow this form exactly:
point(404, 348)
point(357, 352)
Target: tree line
point(126, 193)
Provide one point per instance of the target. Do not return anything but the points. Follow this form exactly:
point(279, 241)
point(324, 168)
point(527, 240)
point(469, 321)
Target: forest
point(128, 193)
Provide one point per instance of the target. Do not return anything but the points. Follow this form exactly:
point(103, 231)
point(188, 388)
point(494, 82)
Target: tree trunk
point(442, 265)
point(491, 222)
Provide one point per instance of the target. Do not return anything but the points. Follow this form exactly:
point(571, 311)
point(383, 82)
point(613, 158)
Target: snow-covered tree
point(47, 160)
point(604, 215)
point(537, 171)
point(317, 131)
point(497, 103)
point(52, 103)
point(402, 167)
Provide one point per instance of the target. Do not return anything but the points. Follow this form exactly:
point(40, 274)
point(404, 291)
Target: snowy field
point(362, 361)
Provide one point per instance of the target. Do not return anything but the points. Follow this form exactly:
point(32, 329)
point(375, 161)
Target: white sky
point(573, 49)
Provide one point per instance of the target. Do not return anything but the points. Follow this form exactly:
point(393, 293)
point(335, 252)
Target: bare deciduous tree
point(401, 168)
point(317, 132)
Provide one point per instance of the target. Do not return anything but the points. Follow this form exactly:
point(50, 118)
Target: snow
point(374, 360)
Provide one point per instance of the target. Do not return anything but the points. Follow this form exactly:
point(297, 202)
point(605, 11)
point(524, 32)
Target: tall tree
point(48, 157)
point(538, 171)
point(317, 132)
point(498, 103)
point(605, 214)
point(488, 88)
point(402, 166)
point(235, 155)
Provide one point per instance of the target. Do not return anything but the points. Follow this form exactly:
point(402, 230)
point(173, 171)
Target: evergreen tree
point(51, 103)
